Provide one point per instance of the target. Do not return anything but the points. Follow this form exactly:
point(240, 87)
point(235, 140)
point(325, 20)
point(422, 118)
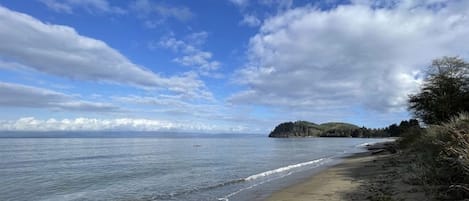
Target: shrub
point(443, 155)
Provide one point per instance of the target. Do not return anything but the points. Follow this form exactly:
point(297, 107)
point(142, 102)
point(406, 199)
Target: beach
point(363, 176)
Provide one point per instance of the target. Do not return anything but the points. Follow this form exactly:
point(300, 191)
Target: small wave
point(173, 195)
point(376, 142)
point(270, 172)
point(250, 178)
point(282, 169)
point(226, 198)
point(363, 144)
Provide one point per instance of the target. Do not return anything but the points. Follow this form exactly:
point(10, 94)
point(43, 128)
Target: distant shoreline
point(116, 134)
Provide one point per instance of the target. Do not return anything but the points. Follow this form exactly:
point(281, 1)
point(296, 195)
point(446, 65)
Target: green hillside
point(337, 125)
point(309, 129)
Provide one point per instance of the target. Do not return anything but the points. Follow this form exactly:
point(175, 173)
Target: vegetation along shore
point(428, 161)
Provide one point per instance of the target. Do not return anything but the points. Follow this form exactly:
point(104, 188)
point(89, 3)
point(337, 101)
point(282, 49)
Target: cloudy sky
point(218, 66)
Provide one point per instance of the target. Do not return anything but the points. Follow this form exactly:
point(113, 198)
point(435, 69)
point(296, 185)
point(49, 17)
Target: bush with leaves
point(445, 91)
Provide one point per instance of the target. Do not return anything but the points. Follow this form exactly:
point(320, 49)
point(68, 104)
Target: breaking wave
point(282, 169)
point(287, 169)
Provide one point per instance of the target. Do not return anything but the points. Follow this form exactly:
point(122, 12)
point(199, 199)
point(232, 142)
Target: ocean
point(202, 167)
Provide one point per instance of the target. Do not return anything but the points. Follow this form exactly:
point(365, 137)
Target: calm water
point(188, 168)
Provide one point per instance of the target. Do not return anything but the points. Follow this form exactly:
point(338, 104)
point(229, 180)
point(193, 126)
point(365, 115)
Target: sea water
point(212, 167)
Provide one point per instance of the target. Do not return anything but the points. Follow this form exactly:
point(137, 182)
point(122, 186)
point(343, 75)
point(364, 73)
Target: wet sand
point(362, 176)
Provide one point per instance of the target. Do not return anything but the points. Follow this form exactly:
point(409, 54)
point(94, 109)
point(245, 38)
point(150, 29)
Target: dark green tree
point(394, 130)
point(445, 91)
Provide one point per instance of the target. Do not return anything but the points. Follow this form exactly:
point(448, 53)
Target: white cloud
point(155, 14)
point(197, 38)
point(173, 105)
point(192, 55)
point(250, 20)
point(308, 59)
point(253, 12)
point(12, 66)
point(199, 59)
point(279, 4)
point(240, 2)
point(16, 95)
point(121, 124)
point(67, 6)
point(60, 50)
point(57, 6)
point(223, 115)
point(189, 86)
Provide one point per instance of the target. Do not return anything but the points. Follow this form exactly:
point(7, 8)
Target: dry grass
point(441, 155)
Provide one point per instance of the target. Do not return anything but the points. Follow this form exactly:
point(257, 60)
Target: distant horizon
point(161, 131)
point(119, 134)
point(231, 66)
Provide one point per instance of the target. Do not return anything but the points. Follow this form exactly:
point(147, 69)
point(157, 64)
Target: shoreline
point(370, 175)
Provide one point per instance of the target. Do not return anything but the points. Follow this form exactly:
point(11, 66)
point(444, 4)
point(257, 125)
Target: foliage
point(338, 129)
point(441, 150)
point(445, 91)
point(296, 129)
point(337, 125)
point(443, 156)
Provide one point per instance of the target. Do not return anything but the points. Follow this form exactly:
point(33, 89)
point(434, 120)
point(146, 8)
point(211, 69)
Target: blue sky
point(217, 66)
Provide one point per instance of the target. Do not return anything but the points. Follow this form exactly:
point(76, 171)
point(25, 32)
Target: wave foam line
point(364, 144)
point(282, 169)
point(226, 198)
point(263, 174)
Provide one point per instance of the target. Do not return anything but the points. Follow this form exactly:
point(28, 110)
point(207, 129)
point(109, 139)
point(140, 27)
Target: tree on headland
point(445, 91)
point(338, 129)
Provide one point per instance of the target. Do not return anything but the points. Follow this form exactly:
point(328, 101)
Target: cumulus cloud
point(254, 12)
point(365, 54)
point(239, 2)
point(67, 6)
point(278, 3)
point(191, 54)
point(155, 14)
point(224, 115)
point(250, 20)
point(16, 95)
point(173, 105)
point(61, 51)
point(200, 59)
point(121, 124)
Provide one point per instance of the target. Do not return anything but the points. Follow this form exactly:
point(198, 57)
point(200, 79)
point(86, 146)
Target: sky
point(218, 66)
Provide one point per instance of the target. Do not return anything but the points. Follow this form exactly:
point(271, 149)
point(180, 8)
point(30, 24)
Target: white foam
point(270, 172)
point(363, 144)
point(246, 188)
point(282, 169)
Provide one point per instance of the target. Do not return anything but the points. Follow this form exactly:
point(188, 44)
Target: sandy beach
point(362, 176)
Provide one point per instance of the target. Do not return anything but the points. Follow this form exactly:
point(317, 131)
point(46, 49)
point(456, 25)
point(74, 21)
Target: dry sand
point(360, 177)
